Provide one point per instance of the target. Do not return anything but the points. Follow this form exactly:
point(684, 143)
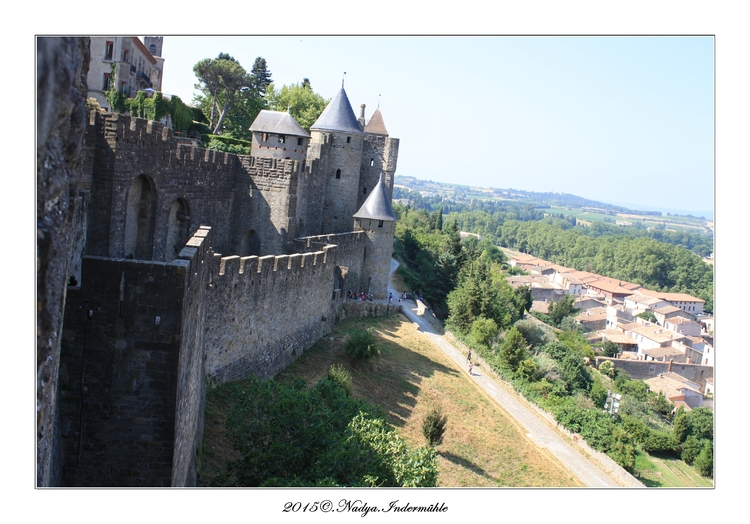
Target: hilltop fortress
point(193, 267)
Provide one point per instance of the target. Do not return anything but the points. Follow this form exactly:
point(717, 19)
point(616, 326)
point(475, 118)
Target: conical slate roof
point(338, 116)
point(279, 122)
point(378, 205)
point(376, 126)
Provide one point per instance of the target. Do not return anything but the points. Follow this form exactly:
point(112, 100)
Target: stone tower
point(377, 219)
point(337, 140)
point(153, 44)
point(379, 156)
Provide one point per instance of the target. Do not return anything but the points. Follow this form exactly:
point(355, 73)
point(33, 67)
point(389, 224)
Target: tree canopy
point(228, 96)
point(299, 99)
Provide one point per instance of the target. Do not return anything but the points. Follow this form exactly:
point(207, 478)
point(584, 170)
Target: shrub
point(483, 331)
point(341, 376)
point(607, 368)
point(361, 345)
point(526, 369)
point(704, 463)
point(534, 334)
point(434, 426)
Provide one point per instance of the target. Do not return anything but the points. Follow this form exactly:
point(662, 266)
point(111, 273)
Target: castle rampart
point(156, 313)
point(264, 312)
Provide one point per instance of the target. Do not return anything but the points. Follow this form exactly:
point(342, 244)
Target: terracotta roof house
point(683, 326)
point(638, 303)
point(677, 389)
point(683, 301)
point(593, 319)
point(665, 313)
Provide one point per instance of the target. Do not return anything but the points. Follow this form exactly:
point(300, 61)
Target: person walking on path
point(471, 368)
point(468, 357)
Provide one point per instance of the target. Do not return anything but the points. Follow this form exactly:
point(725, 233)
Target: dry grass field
point(482, 447)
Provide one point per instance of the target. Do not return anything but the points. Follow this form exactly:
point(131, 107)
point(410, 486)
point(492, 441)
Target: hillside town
point(648, 326)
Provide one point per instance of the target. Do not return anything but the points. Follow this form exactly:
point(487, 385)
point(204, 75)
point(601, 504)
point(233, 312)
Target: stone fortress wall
point(188, 274)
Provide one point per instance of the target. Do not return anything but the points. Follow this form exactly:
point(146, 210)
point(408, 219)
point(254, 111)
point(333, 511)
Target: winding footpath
point(536, 429)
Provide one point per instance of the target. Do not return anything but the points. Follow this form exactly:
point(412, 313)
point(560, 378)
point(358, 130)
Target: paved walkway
point(537, 429)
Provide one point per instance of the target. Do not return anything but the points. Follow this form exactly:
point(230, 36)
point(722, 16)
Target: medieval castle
point(193, 267)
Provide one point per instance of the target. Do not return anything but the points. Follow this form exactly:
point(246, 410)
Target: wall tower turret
point(337, 140)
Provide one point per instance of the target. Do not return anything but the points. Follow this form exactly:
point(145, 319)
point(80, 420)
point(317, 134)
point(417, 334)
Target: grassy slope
point(482, 447)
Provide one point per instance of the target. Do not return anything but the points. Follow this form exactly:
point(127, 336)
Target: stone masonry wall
point(125, 386)
point(62, 66)
point(643, 370)
point(350, 253)
point(133, 381)
point(341, 193)
point(266, 203)
point(195, 257)
point(264, 312)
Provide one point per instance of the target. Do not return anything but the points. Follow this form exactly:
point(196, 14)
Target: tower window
point(372, 162)
point(109, 50)
point(300, 141)
point(282, 139)
point(380, 223)
point(348, 140)
point(338, 173)
point(265, 137)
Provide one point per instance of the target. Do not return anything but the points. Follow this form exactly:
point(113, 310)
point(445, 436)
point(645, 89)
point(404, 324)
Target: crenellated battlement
point(263, 268)
point(344, 241)
point(129, 129)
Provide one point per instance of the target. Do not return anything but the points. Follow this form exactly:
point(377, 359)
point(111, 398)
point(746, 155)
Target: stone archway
point(178, 228)
point(250, 244)
point(139, 219)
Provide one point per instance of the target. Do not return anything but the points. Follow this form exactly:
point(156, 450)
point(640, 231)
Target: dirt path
point(537, 429)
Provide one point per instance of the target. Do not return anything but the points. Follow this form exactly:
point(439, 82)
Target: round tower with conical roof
point(377, 219)
point(337, 141)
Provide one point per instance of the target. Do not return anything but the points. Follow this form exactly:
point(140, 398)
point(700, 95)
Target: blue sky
point(626, 120)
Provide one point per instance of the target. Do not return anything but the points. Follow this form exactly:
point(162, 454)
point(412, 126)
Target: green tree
point(261, 76)
point(610, 349)
point(513, 350)
point(557, 311)
point(301, 101)
point(220, 81)
point(182, 115)
point(704, 462)
point(434, 426)
point(483, 331)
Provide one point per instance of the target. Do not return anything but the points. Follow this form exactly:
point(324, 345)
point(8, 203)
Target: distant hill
point(462, 192)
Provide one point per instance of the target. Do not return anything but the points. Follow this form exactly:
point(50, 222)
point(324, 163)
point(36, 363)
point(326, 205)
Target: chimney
point(670, 365)
point(362, 115)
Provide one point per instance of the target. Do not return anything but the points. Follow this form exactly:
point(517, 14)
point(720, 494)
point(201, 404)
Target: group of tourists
point(358, 296)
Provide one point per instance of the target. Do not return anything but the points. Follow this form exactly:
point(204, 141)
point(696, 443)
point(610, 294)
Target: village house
point(639, 303)
point(683, 301)
point(665, 313)
point(677, 389)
